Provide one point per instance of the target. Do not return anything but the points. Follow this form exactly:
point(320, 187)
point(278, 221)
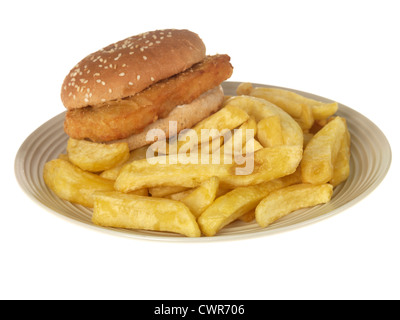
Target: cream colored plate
point(370, 161)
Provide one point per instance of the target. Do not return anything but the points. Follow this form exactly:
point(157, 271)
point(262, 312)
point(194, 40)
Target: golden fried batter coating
point(120, 119)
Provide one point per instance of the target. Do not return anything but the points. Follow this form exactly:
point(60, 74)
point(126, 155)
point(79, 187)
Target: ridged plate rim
point(369, 144)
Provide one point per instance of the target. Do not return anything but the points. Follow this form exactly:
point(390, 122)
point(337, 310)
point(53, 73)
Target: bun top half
point(129, 66)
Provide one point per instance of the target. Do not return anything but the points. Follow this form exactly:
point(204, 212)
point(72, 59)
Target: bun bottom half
point(185, 116)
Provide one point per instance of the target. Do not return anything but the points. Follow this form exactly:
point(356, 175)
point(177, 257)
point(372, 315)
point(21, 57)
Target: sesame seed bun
point(129, 66)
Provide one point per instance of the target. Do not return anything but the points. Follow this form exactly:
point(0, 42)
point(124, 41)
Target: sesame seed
point(122, 74)
point(130, 83)
point(152, 79)
point(131, 52)
point(119, 56)
point(138, 77)
point(96, 74)
point(110, 90)
point(98, 80)
point(103, 83)
point(144, 58)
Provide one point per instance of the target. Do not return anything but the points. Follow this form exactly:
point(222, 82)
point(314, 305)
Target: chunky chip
point(293, 103)
point(268, 164)
point(72, 183)
point(269, 131)
point(115, 209)
point(317, 165)
point(284, 201)
point(341, 167)
point(202, 197)
point(96, 157)
point(161, 192)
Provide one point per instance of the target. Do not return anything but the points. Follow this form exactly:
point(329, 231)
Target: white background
point(347, 51)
